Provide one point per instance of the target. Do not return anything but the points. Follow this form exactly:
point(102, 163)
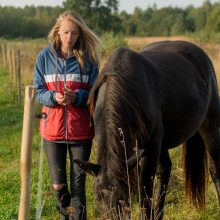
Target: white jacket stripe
point(69, 77)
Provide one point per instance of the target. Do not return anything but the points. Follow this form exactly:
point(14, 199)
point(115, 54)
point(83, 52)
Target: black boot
point(76, 210)
point(62, 197)
point(72, 213)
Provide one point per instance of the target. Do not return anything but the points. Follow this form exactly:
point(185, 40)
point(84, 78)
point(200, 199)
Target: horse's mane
point(94, 92)
point(124, 118)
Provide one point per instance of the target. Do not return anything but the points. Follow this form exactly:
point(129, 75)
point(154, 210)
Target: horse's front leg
point(148, 164)
point(163, 175)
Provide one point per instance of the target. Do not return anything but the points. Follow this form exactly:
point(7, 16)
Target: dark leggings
point(56, 156)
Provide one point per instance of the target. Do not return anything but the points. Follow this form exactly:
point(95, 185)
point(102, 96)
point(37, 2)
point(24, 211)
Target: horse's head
point(111, 192)
point(119, 123)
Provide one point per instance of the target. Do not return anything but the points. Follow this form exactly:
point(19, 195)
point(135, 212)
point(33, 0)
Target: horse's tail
point(195, 170)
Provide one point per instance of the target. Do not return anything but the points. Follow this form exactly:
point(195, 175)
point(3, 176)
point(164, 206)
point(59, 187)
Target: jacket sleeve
point(81, 94)
point(43, 95)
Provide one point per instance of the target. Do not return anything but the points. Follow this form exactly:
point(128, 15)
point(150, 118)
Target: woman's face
point(69, 34)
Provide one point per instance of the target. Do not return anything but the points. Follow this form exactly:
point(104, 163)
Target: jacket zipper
point(65, 107)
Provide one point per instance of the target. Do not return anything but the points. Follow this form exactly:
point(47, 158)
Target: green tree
point(213, 20)
point(199, 15)
point(127, 26)
point(82, 7)
point(100, 15)
point(178, 27)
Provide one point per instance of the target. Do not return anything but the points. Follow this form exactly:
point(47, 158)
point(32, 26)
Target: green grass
point(11, 119)
point(10, 133)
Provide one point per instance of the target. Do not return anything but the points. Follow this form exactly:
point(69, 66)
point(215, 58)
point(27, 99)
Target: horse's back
point(188, 87)
point(164, 51)
point(183, 63)
point(184, 55)
point(177, 84)
point(164, 57)
point(177, 47)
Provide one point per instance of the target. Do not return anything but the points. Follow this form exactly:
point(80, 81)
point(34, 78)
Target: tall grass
point(10, 133)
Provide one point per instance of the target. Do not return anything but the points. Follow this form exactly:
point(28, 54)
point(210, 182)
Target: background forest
point(103, 16)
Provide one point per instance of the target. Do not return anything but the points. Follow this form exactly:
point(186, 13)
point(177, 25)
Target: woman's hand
point(59, 98)
point(64, 99)
point(69, 96)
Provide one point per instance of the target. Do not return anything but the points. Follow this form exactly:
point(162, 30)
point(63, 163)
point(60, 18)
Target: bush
point(110, 42)
point(207, 37)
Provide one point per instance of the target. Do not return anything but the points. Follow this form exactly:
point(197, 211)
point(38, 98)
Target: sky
point(127, 5)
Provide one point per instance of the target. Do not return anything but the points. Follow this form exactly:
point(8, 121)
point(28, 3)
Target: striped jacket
point(51, 73)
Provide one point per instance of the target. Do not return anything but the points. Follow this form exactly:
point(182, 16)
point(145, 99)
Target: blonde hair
point(87, 43)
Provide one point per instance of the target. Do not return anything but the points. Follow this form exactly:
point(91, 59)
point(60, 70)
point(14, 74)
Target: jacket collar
point(58, 53)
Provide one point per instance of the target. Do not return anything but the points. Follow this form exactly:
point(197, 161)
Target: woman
point(64, 74)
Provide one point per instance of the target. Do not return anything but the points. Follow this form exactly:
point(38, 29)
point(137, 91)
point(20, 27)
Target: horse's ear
point(132, 161)
point(90, 168)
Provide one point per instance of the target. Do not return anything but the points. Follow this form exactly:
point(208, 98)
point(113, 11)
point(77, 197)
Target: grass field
point(11, 116)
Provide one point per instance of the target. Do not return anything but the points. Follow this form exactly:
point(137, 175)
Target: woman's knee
point(58, 186)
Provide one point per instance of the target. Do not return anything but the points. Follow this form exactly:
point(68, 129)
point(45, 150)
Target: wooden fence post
point(3, 55)
point(7, 55)
point(26, 149)
point(10, 62)
point(18, 62)
point(14, 67)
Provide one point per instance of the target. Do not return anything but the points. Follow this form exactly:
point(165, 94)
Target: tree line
point(103, 16)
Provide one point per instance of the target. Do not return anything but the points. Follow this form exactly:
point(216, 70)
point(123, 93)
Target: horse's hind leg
point(211, 138)
point(163, 175)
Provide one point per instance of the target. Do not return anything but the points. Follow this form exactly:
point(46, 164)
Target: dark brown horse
point(144, 104)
